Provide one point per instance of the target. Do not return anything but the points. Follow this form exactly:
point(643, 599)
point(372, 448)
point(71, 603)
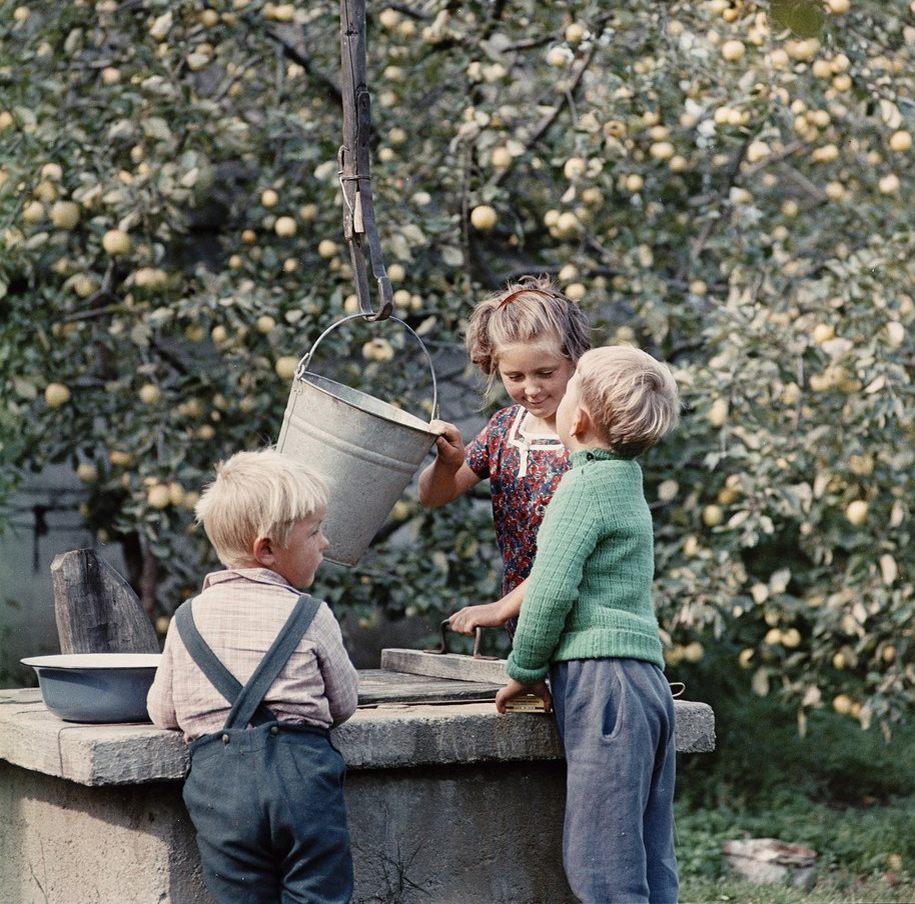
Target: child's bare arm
point(449, 476)
point(488, 615)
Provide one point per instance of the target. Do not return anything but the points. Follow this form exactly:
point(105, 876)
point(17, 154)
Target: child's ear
point(581, 422)
point(263, 551)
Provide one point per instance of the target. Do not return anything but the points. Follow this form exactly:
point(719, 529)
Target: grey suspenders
point(247, 705)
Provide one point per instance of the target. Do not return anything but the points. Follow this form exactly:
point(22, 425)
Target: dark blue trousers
point(616, 720)
point(267, 803)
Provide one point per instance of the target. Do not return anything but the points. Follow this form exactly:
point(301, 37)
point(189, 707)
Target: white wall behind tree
point(44, 522)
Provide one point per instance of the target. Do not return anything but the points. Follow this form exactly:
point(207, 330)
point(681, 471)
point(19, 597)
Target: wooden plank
point(456, 666)
point(96, 609)
point(382, 686)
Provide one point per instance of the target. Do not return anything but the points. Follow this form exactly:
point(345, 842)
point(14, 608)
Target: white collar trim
point(524, 439)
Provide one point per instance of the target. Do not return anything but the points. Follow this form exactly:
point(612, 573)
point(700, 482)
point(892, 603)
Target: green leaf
point(804, 18)
point(452, 256)
point(25, 389)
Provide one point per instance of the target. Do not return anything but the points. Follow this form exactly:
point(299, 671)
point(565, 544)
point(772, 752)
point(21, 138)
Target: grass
point(841, 791)
point(828, 890)
point(865, 854)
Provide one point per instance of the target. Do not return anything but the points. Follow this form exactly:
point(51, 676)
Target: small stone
point(768, 860)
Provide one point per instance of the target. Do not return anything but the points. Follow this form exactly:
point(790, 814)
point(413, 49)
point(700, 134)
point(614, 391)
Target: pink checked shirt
point(239, 613)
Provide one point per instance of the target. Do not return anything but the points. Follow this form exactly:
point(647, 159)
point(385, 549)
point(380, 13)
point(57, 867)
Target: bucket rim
point(300, 377)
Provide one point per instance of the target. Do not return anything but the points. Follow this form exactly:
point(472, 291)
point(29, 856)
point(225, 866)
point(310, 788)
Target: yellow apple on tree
point(576, 291)
point(841, 703)
point(733, 50)
point(856, 512)
point(483, 218)
point(285, 367)
point(377, 350)
point(500, 157)
point(559, 56)
point(119, 458)
point(158, 496)
point(896, 333)
point(567, 225)
point(574, 168)
point(56, 394)
point(285, 227)
point(65, 214)
point(889, 184)
point(150, 278)
point(575, 32)
point(900, 142)
point(149, 394)
point(116, 242)
point(389, 18)
point(718, 413)
point(175, 493)
point(87, 472)
point(33, 212)
point(283, 12)
point(712, 515)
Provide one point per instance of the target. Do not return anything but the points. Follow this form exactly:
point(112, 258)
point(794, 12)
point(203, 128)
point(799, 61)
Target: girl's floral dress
point(523, 469)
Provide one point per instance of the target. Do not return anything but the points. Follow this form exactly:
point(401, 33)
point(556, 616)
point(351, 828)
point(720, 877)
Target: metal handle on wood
point(443, 647)
point(354, 162)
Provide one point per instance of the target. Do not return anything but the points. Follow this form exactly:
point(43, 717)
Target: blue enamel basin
point(96, 687)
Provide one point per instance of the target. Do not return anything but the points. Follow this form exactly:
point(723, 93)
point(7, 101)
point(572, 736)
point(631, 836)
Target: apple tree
point(722, 182)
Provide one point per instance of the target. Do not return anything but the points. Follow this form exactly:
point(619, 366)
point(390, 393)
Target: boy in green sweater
point(588, 621)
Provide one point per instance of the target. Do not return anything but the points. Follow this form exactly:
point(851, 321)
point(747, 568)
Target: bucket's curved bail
point(304, 362)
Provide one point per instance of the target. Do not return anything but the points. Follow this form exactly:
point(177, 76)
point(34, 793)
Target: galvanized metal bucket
point(366, 450)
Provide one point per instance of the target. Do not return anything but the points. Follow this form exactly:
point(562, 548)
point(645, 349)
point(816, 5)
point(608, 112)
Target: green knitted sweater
point(589, 594)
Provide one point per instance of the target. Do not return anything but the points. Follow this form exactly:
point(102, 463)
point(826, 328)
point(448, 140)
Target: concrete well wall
point(447, 804)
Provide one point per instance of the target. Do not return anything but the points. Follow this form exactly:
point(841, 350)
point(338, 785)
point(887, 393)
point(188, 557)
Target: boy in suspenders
point(254, 673)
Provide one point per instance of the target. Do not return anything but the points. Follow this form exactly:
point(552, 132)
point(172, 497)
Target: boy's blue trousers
point(616, 720)
point(267, 803)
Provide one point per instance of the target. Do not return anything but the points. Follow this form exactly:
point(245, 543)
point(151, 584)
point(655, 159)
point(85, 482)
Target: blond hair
point(257, 494)
point(531, 311)
point(632, 398)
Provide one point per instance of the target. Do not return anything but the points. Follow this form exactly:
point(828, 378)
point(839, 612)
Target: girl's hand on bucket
point(449, 445)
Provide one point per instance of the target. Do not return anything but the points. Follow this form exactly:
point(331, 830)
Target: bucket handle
point(306, 358)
